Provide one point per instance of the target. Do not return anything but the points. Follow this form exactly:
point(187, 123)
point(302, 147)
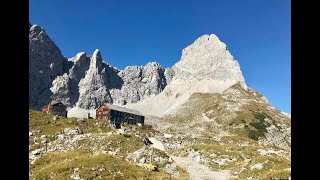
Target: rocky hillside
point(235, 111)
point(71, 148)
point(236, 133)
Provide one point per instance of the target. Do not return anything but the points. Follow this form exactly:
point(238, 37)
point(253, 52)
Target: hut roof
point(56, 103)
point(123, 109)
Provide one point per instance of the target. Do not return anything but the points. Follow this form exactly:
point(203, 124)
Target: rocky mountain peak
point(204, 43)
point(81, 65)
point(97, 55)
point(208, 59)
point(79, 57)
point(206, 66)
point(35, 29)
point(154, 63)
point(96, 60)
point(45, 63)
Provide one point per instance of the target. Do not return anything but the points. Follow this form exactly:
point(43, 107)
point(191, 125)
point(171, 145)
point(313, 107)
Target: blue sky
point(134, 32)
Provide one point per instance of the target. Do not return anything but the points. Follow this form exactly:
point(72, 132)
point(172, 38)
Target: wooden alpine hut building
point(118, 115)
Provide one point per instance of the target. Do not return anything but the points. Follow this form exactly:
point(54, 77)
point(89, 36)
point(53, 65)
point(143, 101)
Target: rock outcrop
point(140, 82)
point(65, 88)
point(93, 87)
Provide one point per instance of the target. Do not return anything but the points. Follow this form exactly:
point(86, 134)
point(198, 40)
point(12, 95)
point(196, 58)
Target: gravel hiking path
point(198, 171)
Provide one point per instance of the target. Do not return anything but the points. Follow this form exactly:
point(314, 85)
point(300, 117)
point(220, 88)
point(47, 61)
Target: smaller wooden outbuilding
point(57, 108)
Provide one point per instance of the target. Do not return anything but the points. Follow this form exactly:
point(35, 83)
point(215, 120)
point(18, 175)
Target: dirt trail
point(198, 171)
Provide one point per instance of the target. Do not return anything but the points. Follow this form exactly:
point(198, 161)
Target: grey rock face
point(45, 64)
point(88, 82)
point(169, 73)
point(208, 58)
point(140, 82)
point(93, 87)
point(60, 89)
point(65, 88)
point(91, 81)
